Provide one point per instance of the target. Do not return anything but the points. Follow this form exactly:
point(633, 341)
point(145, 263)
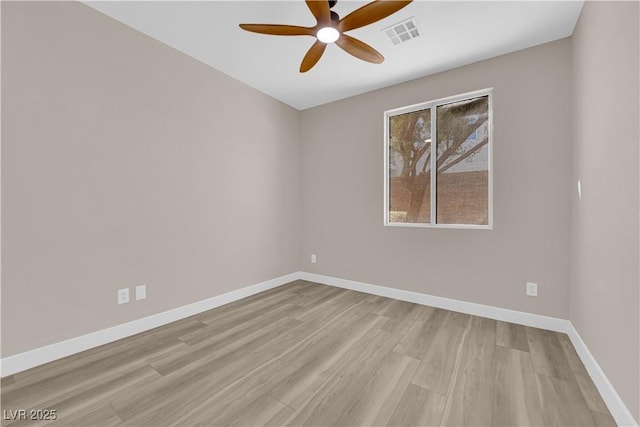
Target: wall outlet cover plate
point(141, 292)
point(123, 296)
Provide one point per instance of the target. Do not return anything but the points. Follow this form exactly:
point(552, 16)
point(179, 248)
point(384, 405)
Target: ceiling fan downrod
point(334, 16)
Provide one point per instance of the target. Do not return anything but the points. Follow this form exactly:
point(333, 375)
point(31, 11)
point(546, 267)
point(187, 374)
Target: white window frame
point(432, 105)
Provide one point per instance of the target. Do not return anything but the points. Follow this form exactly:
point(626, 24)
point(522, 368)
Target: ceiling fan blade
point(370, 13)
point(359, 49)
point(278, 30)
point(320, 9)
point(313, 56)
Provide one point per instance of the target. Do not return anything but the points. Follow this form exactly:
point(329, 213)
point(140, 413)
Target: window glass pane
point(409, 167)
point(462, 174)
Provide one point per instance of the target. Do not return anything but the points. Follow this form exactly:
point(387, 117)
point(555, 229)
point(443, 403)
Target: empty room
point(315, 213)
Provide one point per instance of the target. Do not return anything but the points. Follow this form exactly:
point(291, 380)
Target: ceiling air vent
point(402, 31)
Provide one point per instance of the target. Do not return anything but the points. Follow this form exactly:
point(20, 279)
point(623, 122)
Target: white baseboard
point(504, 314)
point(614, 402)
point(29, 359)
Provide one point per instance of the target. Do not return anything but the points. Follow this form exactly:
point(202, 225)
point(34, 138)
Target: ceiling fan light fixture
point(328, 34)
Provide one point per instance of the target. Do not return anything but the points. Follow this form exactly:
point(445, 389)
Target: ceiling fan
point(330, 29)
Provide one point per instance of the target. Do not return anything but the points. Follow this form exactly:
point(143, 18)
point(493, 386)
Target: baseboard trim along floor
point(39, 356)
point(29, 359)
point(504, 314)
point(614, 402)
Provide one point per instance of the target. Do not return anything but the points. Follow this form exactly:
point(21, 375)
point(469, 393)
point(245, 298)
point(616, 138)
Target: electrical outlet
point(123, 296)
point(532, 289)
point(313, 258)
point(141, 292)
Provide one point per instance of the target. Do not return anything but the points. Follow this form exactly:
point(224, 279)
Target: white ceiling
point(454, 33)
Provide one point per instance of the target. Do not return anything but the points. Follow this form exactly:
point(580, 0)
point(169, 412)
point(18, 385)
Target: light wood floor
point(310, 354)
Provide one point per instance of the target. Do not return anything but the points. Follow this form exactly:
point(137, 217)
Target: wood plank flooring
point(314, 355)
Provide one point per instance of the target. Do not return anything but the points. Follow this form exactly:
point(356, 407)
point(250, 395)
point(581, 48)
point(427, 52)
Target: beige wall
point(604, 292)
point(126, 162)
point(342, 187)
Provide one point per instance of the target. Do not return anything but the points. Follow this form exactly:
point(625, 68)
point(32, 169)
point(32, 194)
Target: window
point(446, 183)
